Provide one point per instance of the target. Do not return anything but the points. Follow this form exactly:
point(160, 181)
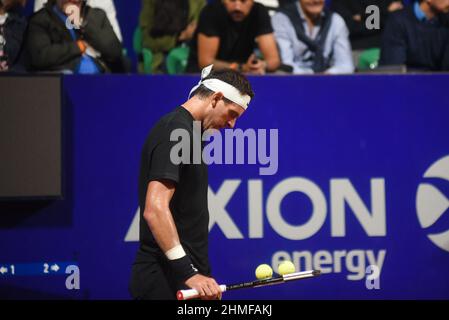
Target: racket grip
point(192, 293)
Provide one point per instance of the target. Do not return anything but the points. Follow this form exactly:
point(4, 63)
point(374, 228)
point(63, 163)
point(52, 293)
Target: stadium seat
point(145, 55)
point(369, 59)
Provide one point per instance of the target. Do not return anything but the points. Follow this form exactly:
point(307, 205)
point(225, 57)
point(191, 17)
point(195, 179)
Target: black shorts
point(153, 280)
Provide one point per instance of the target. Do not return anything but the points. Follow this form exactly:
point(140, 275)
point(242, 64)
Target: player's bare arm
point(160, 221)
point(158, 216)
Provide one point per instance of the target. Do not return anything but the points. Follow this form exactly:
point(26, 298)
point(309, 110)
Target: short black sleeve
point(209, 21)
point(157, 157)
point(263, 20)
point(161, 167)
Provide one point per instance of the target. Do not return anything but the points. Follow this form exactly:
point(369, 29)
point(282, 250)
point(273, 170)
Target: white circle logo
point(431, 203)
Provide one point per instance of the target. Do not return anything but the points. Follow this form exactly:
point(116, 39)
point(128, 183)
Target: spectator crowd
point(255, 37)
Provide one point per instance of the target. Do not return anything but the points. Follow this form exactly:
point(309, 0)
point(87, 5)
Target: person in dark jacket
point(355, 16)
point(418, 37)
point(12, 31)
point(56, 42)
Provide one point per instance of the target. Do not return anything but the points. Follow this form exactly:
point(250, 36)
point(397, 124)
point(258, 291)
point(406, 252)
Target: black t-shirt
point(189, 202)
point(237, 39)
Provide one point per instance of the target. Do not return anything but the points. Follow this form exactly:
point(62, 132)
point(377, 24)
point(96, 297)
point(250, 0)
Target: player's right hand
point(207, 287)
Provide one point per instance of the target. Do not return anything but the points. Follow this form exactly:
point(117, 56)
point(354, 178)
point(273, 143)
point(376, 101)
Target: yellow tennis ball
point(286, 267)
point(264, 271)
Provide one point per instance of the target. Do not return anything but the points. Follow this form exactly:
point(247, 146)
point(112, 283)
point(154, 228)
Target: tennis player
point(174, 216)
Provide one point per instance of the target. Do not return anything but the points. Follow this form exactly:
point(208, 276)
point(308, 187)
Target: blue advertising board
point(361, 179)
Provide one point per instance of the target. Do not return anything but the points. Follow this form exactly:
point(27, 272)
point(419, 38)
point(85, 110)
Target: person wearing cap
point(174, 216)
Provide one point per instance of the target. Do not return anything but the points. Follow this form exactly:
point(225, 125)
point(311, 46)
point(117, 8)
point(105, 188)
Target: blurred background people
point(363, 40)
point(418, 37)
point(234, 34)
point(166, 27)
point(12, 30)
point(312, 39)
point(107, 6)
point(90, 48)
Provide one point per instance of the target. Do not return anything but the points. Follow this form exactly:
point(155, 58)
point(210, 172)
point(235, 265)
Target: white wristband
point(175, 253)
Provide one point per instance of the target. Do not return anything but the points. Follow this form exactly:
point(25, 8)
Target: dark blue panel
point(343, 131)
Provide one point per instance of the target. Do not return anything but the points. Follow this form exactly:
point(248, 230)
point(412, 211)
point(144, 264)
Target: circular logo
point(431, 203)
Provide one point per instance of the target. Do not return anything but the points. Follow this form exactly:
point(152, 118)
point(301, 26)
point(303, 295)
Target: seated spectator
point(12, 30)
point(354, 14)
point(106, 5)
point(418, 37)
point(90, 48)
point(228, 34)
point(166, 25)
point(312, 39)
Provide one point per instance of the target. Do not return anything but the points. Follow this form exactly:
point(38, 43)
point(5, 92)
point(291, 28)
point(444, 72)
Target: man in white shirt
point(312, 39)
point(106, 5)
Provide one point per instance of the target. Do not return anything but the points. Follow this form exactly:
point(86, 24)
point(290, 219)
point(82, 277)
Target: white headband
point(216, 85)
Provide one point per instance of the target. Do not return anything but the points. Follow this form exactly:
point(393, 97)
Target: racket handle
point(192, 293)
